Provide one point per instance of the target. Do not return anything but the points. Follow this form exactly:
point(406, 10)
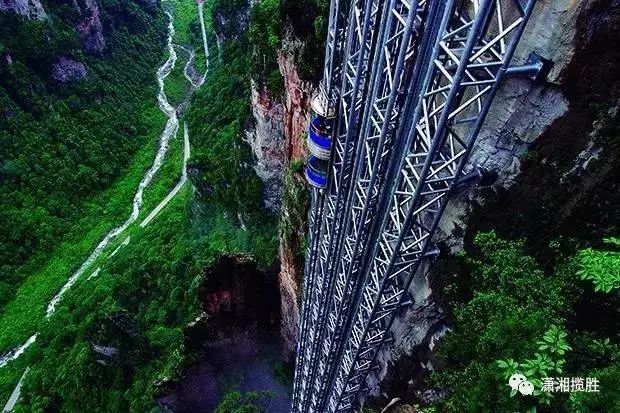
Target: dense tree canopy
point(512, 316)
point(61, 143)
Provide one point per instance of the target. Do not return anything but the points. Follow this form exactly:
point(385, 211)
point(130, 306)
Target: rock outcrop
point(66, 70)
point(277, 136)
point(32, 9)
point(230, 21)
point(296, 104)
point(266, 139)
point(89, 26)
point(289, 293)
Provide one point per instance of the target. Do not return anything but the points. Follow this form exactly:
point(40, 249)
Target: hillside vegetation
point(62, 144)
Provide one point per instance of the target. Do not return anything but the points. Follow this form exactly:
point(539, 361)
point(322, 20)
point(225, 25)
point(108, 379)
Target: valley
point(153, 181)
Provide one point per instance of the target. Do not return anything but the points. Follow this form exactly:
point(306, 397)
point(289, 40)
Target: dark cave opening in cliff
point(237, 340)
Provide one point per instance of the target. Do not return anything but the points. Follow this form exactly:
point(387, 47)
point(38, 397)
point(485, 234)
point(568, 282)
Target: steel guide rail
point(359, 48)
point(383, 106)
point(471, 58)
point(308, 282)
point(333, 55)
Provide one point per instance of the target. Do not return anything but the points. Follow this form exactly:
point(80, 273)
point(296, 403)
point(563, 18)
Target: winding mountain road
point(178, 186)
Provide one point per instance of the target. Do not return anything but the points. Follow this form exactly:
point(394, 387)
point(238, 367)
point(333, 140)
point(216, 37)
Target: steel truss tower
point(410, 83)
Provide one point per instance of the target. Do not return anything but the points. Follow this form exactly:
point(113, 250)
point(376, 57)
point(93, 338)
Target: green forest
point(515, 313)
point(62, 145)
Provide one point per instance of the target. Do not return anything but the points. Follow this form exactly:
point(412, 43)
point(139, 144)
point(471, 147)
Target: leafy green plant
point(508, 367)
point(539, 366)
point(601, 267)
point(252, 402)
point(554, 341)
point(548, 362)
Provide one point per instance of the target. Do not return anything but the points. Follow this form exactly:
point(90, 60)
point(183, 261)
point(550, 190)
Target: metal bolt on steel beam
point(536, 68)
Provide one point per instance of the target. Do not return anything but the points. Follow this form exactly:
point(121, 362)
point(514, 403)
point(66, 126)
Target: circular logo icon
point(526, 388)
point(515, 380)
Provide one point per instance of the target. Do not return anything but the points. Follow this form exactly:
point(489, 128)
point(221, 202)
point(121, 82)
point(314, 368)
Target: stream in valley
point(169, 132)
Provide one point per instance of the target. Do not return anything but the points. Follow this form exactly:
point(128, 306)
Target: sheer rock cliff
point(296, 117)
point(266, 139)
point(89, 26)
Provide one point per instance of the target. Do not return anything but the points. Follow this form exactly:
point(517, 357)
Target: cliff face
point(548, 145)
point(277, 136)
point(231, 20)
point(28, 8)
point(277, 140)
point(294, 213)
point(266, 138)
point(296, 105)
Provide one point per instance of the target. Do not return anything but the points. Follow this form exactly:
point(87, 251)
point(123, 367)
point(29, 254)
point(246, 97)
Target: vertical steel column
point(332, 64)
point(308, 283)
point(391, 75)
point(360, 44)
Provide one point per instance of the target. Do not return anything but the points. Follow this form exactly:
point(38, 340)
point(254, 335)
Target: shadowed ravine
point(237, 341)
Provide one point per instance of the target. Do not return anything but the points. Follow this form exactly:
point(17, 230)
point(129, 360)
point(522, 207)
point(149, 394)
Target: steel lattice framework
point(411, 82)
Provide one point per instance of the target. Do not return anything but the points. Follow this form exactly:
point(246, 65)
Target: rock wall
point(296, 117)
point(276, 137)
point(29, 8)
point(537, 138)
point(296, 103)
point(266, 138)
point(231, 20)
point(89, 26)
point(290, 272)
point(66, 70)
